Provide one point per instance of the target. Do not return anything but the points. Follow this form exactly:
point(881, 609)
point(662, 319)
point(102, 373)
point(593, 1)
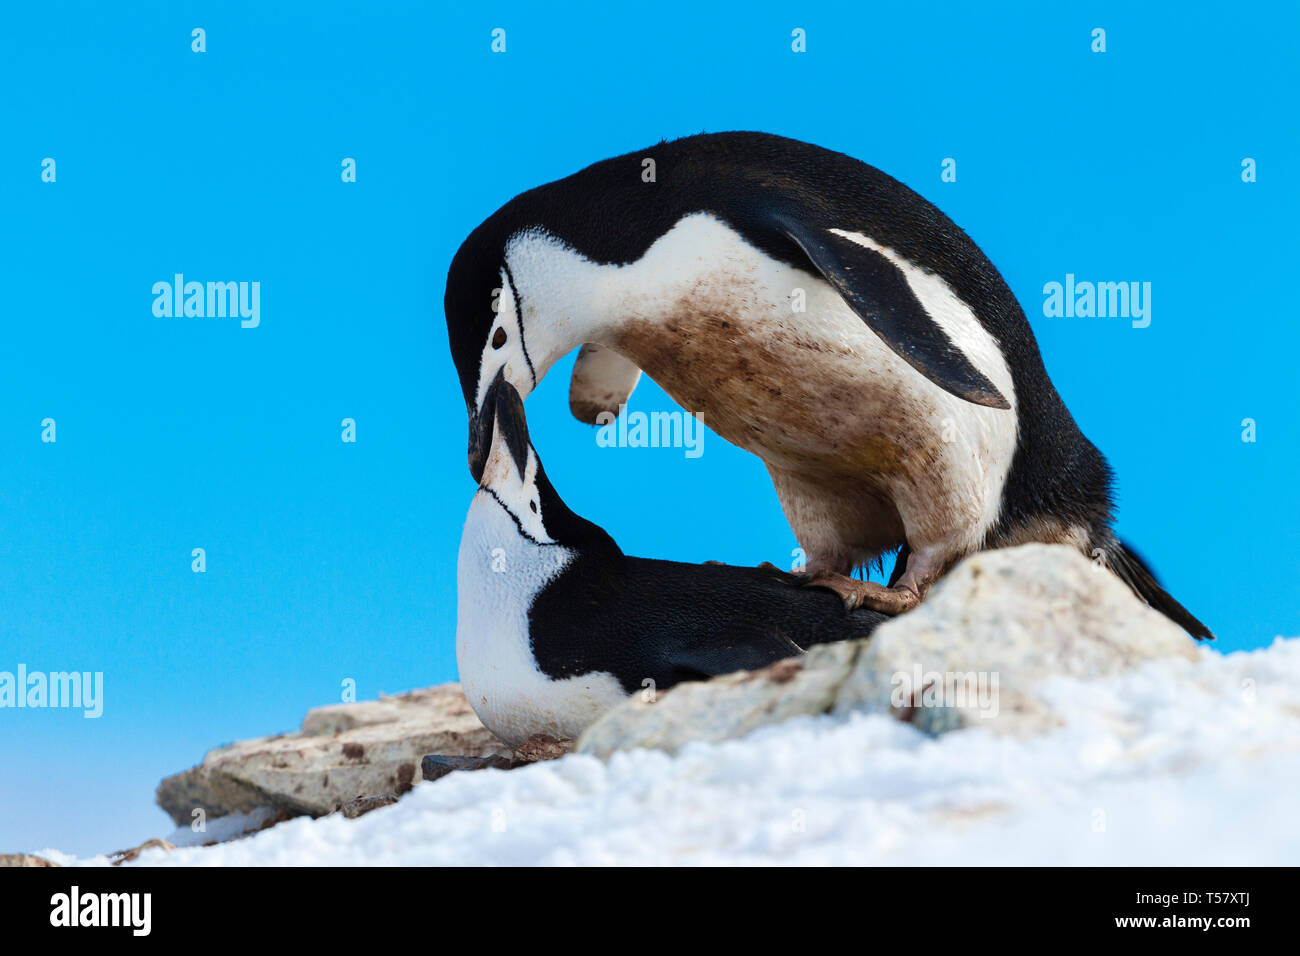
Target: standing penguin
point(816, 312)
point(555, 624)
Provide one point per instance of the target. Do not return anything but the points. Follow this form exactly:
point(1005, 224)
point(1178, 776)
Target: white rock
point(342, 752)
point(972, 654)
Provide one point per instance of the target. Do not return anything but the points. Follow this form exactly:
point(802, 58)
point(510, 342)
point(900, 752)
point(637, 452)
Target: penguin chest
point(800, 390)
point(499, 574)
point(775, 361)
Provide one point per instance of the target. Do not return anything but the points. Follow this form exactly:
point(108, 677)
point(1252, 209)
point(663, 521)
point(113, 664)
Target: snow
point(1179, 762)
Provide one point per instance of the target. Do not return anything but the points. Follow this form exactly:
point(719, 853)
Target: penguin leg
point(905, 591)
point(900, 564)
point(856, 594)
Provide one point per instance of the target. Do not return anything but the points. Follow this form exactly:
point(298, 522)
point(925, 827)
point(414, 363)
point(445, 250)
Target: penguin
point(555, 624)
point(818, 313)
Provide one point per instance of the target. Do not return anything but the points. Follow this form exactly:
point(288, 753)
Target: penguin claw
point(869, 594)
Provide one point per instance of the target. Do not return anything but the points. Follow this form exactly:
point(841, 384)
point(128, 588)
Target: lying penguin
point(816, 312)
point(555, 624)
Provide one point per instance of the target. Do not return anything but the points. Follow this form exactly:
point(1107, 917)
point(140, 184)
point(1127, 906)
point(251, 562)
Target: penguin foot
point(869, 594)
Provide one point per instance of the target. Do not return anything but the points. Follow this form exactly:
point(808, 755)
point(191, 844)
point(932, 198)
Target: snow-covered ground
point(1176, 763)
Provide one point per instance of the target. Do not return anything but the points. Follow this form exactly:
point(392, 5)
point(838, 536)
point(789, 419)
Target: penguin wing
point(879, 293)
point(729, 652)
point(602, 381)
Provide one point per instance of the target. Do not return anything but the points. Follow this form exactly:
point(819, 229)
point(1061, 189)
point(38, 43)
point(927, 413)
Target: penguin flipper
point(602, 381)
point(878, 291)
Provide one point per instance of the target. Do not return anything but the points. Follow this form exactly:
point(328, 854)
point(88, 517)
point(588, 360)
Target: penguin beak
point(481, 423)
point(503, 409)
point(476, 462)
point(512, 424)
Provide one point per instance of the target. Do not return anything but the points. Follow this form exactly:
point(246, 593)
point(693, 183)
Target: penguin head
point(525, 287)
point(512, 474)
point(490, 332)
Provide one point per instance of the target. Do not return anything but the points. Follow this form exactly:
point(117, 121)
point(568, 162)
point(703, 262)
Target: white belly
point(498, 573)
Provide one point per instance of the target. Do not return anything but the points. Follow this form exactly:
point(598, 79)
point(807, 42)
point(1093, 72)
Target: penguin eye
point(533, 505)
point(498, 338)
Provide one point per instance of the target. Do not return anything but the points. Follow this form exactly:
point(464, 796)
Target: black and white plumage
point(555, 624)
point(905, 407)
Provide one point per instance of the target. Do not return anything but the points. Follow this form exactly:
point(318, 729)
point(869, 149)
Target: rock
point(728, 706)
point(24, 859)
point(535, 748)
point(1010, 619)
point(363, 805)
point(970, 655)
point(207, 788)
point(343, 752)
point(542, 747)
point(437, 766)
point(440, 704)
point(126, 856)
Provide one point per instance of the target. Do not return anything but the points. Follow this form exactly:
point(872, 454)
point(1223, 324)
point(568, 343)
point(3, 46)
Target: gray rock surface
point(363, 805)
point(437, 766)
point(971, 655)
point(343, 752)
point(535, 748)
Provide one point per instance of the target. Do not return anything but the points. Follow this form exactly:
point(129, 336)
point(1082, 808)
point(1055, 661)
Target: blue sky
point(328, 561)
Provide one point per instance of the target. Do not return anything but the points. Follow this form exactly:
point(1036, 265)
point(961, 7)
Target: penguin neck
point(493, 543)
point(570, 530)
point(541, 520)
point(561, 295)
point(592, 302)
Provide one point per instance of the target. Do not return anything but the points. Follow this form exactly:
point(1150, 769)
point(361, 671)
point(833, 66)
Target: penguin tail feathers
point(1134, 572)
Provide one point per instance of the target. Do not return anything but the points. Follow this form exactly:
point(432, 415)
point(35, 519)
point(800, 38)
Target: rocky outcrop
point(971, 655)
point(23, 859)
point(341, 753)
